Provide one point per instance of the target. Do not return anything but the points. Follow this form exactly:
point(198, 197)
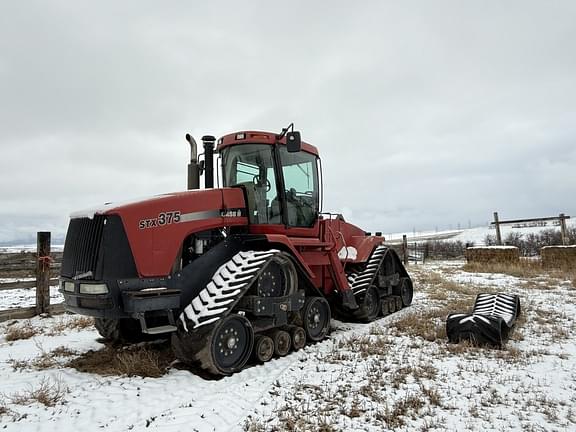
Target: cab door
point(299, 177)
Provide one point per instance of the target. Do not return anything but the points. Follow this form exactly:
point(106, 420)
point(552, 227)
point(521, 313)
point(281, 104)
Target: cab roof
point(258, 137)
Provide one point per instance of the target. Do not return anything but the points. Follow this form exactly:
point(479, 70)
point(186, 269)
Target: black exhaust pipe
point(208, 141)
point(193, 166)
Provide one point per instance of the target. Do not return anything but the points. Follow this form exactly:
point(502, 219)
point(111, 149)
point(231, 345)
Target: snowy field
point(18, 298)
point(475, 235)
point(398, 373)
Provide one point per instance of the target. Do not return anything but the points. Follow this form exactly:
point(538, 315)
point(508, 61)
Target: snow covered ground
point(18, 298)
point(397, 373)
point(475, 235)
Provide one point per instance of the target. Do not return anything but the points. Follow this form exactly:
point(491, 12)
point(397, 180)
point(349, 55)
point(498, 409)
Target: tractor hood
point(156, 227)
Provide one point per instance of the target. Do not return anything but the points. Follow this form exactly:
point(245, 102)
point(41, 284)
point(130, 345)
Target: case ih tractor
point(250, 270)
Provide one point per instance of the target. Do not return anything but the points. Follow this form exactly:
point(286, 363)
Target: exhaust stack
point(193, 166)
point(208, 141)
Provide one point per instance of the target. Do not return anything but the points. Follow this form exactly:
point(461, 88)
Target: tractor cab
point(280, 180)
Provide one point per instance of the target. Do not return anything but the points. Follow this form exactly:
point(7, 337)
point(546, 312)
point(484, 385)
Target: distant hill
point(475, 235)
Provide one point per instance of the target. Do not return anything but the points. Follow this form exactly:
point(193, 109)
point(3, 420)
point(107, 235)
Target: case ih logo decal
point(231, 212)
point(164, 218)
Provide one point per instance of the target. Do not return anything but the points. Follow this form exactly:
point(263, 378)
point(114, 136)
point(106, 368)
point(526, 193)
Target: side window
point(301, 183)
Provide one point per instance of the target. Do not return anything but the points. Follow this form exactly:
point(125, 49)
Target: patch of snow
point(349, 252)
point(491, 247)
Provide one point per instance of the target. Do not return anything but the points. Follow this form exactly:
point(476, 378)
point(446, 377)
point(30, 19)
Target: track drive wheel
point(316, 318)
point(370, 306)
point(278, 278)
point(227, 346)
point(405, 290)
point(263, 348)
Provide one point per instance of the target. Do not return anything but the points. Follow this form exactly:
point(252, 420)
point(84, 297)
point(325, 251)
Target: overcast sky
point(427, 114)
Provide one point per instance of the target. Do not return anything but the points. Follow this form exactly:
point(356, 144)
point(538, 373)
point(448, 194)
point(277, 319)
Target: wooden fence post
point(405, 249)
point(498, 234)
point(563, 229)
point(43, 272)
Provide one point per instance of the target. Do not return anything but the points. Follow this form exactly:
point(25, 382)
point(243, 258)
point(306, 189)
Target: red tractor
point(249, 270)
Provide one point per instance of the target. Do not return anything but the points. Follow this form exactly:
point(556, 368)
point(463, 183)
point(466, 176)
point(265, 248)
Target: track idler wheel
point(384, 307)
point(405, 291)
point(228, 345)
point(391, 304)
point(298, 336)
point(316, 318)
point(263, 348)
point(282, 342)
point(370, 305)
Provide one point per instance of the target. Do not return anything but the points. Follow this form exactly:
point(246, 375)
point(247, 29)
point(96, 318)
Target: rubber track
point(491, 319)
point(360, 281)
point(228, 284)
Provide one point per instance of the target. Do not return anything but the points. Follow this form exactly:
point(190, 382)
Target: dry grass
point(26, 330)
point(417, 373)
point(49, 392)
point(366, 345)
point(47, 360)
point(150, 360)
point(19, 332)
point(76, 323)
point(523, 269)
point(394, 416)
point(4, 410)
point(430, 324)
point(252, 424)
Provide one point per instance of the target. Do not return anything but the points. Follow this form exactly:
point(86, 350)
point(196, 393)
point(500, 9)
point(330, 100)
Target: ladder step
point(159, 329)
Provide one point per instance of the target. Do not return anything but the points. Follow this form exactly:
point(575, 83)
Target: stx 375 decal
point(164, 218)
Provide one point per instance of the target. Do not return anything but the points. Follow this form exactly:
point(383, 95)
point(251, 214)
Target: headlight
point(93, 289)
point(69, 286)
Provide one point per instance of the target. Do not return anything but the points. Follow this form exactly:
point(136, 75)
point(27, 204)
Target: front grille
point(82, 247)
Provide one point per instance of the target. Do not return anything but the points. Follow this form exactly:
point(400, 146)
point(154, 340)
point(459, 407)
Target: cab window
point(252, 167)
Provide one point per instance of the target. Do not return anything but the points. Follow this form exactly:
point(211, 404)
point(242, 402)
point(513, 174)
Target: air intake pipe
point(208, 141)
point(193, 166)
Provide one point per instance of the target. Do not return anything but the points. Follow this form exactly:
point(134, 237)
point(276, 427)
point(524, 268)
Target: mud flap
point(490, 322)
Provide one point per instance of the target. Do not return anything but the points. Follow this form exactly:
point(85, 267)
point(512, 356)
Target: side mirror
point(293, 142)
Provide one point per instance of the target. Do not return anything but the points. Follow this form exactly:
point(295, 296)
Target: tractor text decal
point(164, 218)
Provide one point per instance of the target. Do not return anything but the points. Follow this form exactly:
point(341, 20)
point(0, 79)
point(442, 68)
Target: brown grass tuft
point(19, 332)
point(46, 360)
point(3, 410)
point(48, 393)
point(76, 323)
point(135, 360)
point(365, 345)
